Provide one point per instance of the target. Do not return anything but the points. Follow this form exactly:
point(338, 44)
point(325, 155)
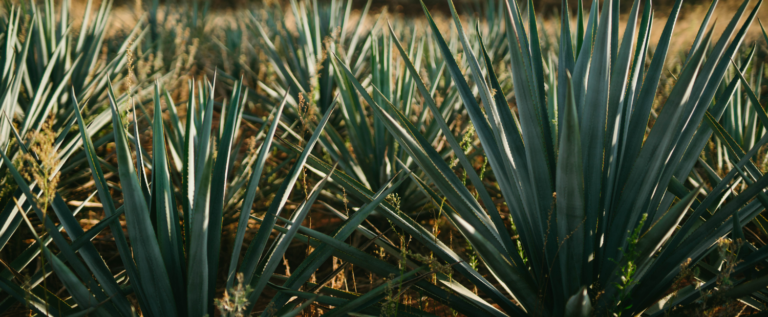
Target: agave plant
point(374, 153)
point(42, 59)
point(357, 140)
point(301, 62)
point(158, 266)
point(741, 122)
point(50, 59)
point(592, 196)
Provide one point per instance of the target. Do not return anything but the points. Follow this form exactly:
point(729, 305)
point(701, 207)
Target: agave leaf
point(703, 237)
point(90, 255)
point(197, 265)
point(536, 183)
point(284, 73)
point(466, 202)
point(736, 151)
point(219, 183)
point(624, 114)
point(747, 288)
point(24, 259)
point(72, 226)
point(517, 149)
point(177, 136)
point(303, 272)
point(537, 70)
point(521, 280)
point(204, 137)
point(650, 163)
point(579, 304)
point(108, 204)
point(306, 295)
point(361, 259)
point(703, 28)
point(360, 192)
point(457, 150)
point(68, 253)
point(434, 163)
point(374, 238)
point(714, 195)
point(79, 292)
point(153, 278)
point(87, 236)
point(359, 126)
point(584, 56)
point(642, 108)
point(503, 269)
point(29, 300)
point(515, 20)
point(188, 165)
point(297, 311)
point(711, 74)
point(617, 100)
point(337, 149)
point(701, 246)
point(755, 101)
point(358, 31)
point(168, 231)
point(733, 147)
point(446, 253)
point(38, 292)
point(374, 294)
point(381, 78)
point(140, 157)
point(592, 119)
point(250, 195)
point(11, 219)
point(283, 241)
point(44, 109)
point(477, 77)
point(258, 243)
point(565, 61)
point(10, 102)
point(660, 231)
point(571, 213)
point(423, 152)
point(704, 132)
point(38, 94)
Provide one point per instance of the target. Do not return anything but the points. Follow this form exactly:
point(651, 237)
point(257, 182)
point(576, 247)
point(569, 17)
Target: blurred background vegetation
point(691, 13)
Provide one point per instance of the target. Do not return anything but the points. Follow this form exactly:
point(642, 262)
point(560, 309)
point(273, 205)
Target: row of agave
point(606, 212)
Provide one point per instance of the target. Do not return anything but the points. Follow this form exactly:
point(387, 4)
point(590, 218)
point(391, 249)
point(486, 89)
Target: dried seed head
point(42, 144)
